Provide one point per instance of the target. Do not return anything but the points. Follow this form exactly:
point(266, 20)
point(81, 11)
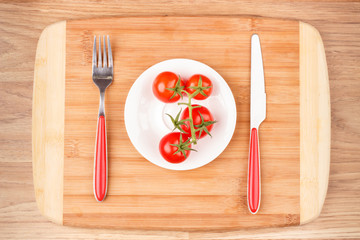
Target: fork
point(102, 75)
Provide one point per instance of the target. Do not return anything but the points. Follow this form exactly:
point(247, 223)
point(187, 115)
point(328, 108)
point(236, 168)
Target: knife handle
point(100, 166)
point(254, 185)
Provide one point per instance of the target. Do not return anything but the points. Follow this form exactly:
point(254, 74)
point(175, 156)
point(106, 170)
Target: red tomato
point(206, 114)
point(205, 87)
point(182, 150)
point(167, 87)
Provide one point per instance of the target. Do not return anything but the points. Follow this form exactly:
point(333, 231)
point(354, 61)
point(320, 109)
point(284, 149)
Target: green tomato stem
point(191, 121)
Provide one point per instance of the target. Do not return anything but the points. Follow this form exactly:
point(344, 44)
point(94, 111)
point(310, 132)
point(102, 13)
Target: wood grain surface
point(48, 121)
point(297, 42)
point(142, 195)
point(21, 24)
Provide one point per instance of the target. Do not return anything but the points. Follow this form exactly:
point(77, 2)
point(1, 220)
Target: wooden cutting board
point(294, 138)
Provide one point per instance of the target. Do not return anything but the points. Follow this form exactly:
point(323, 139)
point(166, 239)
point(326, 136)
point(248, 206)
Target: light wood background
point(20, 27)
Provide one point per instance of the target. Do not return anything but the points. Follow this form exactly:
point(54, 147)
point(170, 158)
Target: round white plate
point(146, 122)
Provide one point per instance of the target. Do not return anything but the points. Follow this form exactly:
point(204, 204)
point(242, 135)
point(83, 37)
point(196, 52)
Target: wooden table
point(20, 27)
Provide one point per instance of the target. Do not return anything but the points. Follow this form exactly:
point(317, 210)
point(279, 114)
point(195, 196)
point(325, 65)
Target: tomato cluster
point(194, 123)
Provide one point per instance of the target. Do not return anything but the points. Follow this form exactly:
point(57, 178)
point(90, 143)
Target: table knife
point(258, 115)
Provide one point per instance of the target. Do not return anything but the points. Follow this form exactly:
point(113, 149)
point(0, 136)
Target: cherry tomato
point(205, 86)
point(167, 87)
point(182, 150)
point(207, 116)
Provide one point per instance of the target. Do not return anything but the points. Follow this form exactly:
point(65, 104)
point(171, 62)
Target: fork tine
point(105, 59)
point(94, 63)
point(100, 58)
point(109, 53)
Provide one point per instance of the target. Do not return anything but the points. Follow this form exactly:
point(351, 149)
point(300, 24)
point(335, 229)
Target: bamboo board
point(295, 138)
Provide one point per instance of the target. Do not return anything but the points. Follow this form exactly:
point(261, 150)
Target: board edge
point(315, 123)
point(48, 121)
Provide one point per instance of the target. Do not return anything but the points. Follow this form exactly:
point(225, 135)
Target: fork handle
point(254, 185)
point(100, 167)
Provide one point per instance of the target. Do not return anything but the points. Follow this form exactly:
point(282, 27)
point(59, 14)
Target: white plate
point(146, 122)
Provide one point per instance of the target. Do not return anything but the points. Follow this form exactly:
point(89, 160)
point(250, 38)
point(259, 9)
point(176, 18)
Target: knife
point(258, 115)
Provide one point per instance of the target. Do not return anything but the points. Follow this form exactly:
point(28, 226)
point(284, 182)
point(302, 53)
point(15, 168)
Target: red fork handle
point(253, 194)
point(100, 167)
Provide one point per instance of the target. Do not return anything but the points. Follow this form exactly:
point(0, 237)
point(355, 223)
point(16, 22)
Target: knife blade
point(257, 116)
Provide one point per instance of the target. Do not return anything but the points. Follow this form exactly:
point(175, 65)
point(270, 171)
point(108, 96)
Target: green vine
point(201, 127)
point(183, 146)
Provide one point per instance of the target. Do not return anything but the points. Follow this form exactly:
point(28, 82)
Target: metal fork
point(102, 75)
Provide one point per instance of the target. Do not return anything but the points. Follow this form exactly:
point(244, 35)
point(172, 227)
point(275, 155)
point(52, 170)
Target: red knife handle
point(100, 167)
point(253, 194)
